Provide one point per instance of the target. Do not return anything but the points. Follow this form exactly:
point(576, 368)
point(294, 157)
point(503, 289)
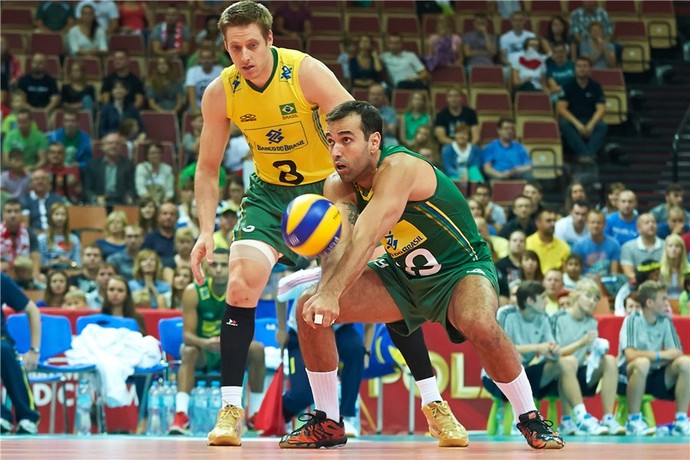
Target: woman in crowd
point(462, 160)
point(147, 284)
point(164, 91)
point(119, 302)
point(444, 48)
point(114, 229)
point(182, 277)
point(530, 267)
point(184, 242)
point(56, 290)
point(529, 68)
point(77, 93)
point(153, 178)
point(186, 210)
point(557, 34)
point(59, 247)
point(674, 265)
point(365, 68)
point(148, 212)
point(613, 190)
point(87, 38)
point(575, 191)
point(190, 139)
point(135, 17)
point(417, 113)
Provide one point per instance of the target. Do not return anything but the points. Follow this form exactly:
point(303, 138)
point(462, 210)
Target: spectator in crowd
point(522, 217)
point(425, 144)
point(184, 242)
point(348, 50)
point(547, 370)
point(39, 200)
point(40, 88)
point(622, 225)
point(597, 48)
point(674, 266)
point(509, 266)
point(87, 38)
point(24, 274)
point(292, 19)
point(478, 45)
point(462, 160)
point(581, 108)
point(528, 67)
point(91, 260)
point(494, 213)
point(122, 73)
point(553, 283)
point(417, 113)
point(186, 210)
point(552, 251)
point(118, 302)
point(15, 180)
point(16, 238)
point(530, 267)
point(558, 34)
point(17, 102)
point(573, 227)
point(200, 76)
point(106, 13)
point(135, 17)
point(676, 223)
point(513, 41)
point(613, 191)
point(405, 69)
point(227, 219)
point(559, 70)
point(210, 32)
point(377, 97)
point(455, 112)
point(644, 246)
point(54, 17)
point(505, 158)
point(123, 261)
point(234, 193)
point(582, 17)
point(648, 270)
point(154, 178)
point(600, 253)
point(572, 270)
point(75, 299)
point(27, 138)
point(95, 298)
point(171, 37)
point(673, 197)
point(147, 283)
point(10, 69)
point(77, 142)
point(237, 154)
point(651, 360)
point(109, 180)
point(59, 247)
point(148, 214)
point(113, 113)
point(535, 192)
point(498, 244)
point(187, 174)
point(14, 378)
point(576, 333)
point(202, 314)
point(164, 89)
point(365, 67)
point(77, 92)
point(65, 180)
point(182, 277)
point(444, 47)
point(190, 139)
point(115, 240)
point(684, 296)
point(162, 239)
point(130, 130)
point(574, 192)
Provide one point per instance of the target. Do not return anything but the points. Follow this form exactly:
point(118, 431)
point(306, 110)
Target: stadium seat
point(133, 44)
point(17, 18)
point(407, 25)
point(397, 6)
point(83, 119)
point(323, 47)
point(660, 20)
point(49, 44)
point(613, 84)
point(504, 192)
point(86, 217)
point(42, 119)
point(491, 106)
point(92, 67)
point(448, 76)
point(543, 143)
point(411, 44)
point(540, 132)
point(326, 23)
point(283, 41)
point(359, 23)
point(16, 41)
point(532, 106)
point(88, 236)
point(400, 99)
point(632, 35)
point(488, 131)
point(544, 9)
point(621, 9)
point(161, 127)
point(132, 212)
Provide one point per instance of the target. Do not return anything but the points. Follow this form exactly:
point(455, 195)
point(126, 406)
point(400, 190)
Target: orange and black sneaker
point(318, 431)
point(538, 432)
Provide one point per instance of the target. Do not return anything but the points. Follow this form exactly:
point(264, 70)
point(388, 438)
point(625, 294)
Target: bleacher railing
point(682, 134)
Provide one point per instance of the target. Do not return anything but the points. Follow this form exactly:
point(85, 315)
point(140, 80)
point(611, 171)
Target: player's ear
point(374, 142)
point(269, 38)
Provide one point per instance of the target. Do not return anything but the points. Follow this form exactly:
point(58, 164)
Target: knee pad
point(257, 251)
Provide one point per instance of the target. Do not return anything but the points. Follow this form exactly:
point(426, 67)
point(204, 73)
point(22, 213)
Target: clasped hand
point(321, 307)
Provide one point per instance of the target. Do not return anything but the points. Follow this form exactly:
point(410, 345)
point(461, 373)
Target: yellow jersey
point(285, 132)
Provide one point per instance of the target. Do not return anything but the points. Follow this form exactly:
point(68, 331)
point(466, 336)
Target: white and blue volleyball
point(311, 225)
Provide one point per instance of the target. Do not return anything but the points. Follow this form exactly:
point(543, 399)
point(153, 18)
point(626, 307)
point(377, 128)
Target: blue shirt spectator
point(621, 230)
point(597, 257)
point(77, 142)
point(505, 158)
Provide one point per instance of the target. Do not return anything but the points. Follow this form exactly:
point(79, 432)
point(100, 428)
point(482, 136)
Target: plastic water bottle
point(167, 405)
point(153, 426)
point(83, 414)
point(664, 430)
point(215, 403)
point(199, 399)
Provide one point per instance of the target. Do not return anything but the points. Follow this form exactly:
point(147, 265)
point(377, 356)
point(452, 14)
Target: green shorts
point(261, 212)
point(427, 298)
point(212, 361)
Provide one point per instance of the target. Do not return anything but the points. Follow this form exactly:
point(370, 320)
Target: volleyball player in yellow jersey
point(278, 98)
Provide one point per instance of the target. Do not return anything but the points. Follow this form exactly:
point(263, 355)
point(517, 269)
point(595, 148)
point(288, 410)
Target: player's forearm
point(206, 195)
point(349, 268)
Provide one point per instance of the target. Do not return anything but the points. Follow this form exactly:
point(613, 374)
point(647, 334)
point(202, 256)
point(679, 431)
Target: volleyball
point(311, 225)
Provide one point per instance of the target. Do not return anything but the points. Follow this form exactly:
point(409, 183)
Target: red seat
point(621, 8)
point(657, 8)
point(488, 131)
point(545, 7)
point(400, 99)
point(472, 6)
point(326, 23)
point(84, 120)
point(536, 132)
point(92, 67)
point(487, 77)
point(161, 127)
point(15, 41)
point(609, 78)
point(133, 44)
point(527, 103)
point(17, 18)
point(360, 94)
point(494, 104)
point(506, 191)
point(412, 45)
point(283, 41)
point(448, 76)
point(42, 119)
point(398, 6)
point(407, 25)
point(630, 29)
point(47, 43)
point(323, 47)
point(363, 24)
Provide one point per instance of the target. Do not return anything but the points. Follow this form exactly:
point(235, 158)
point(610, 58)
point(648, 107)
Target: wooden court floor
point(367, 448)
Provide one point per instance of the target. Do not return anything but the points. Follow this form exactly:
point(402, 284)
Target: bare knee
point(189, 354)
point(639, 366)
point(682, 364)
point(476, 324)
point(568, 364)
point(609, 362)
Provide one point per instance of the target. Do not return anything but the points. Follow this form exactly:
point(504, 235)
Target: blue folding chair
point(56, 339)
point(170, 333)
point(104, 320)
point(265, 332)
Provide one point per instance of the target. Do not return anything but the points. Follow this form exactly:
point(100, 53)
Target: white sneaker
point(5, 426)
point(590, 425)
point(27, 427)
point(615, 428)
point(681, 427)
point(350, 425)
point(638, 427)
point(567, 427)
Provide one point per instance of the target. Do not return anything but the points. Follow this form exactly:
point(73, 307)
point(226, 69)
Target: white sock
point(519, 393)
point(579, 411)
point(182, 402)
point(232, 396)
point(428, 388)
point(255, 400)
point(324, 387)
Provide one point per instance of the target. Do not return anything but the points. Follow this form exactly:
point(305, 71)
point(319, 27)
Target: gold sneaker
point(228, 429)
point(444, 426)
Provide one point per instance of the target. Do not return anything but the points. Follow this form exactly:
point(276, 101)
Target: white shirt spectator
point(511, 43)
point(77, 41)
point(105, 10)
point(199, 79)
point(403, 66)
point(564, 230)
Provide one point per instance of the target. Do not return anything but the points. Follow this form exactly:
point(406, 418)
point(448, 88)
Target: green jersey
point(210, 310)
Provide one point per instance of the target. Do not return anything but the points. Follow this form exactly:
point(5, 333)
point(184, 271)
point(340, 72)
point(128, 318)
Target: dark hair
point(528, 290)
point(50, 297)
point(549, 33)
point(504, 120)
point(485, 185)
point(94, 24)
point(529, 254)
point(370, 116)
point(580, 203)
point(674, 187)
point(648, 291)
point(584, 58)
point(13, 201)
point(644, 270)
point(128, 310)
point(573, 256)
point(536, 184)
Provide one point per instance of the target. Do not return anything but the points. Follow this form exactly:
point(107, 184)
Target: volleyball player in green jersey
point(278, 98)
point(436, 268)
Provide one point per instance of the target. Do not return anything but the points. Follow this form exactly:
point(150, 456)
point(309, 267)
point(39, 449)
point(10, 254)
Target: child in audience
point(572, 270)
point(75, 300)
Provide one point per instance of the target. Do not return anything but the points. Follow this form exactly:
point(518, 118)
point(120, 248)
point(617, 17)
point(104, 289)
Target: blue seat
point(265, 332)
point(170, 333)
point(266, 308)
point(56, 339)
point(104, 320)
